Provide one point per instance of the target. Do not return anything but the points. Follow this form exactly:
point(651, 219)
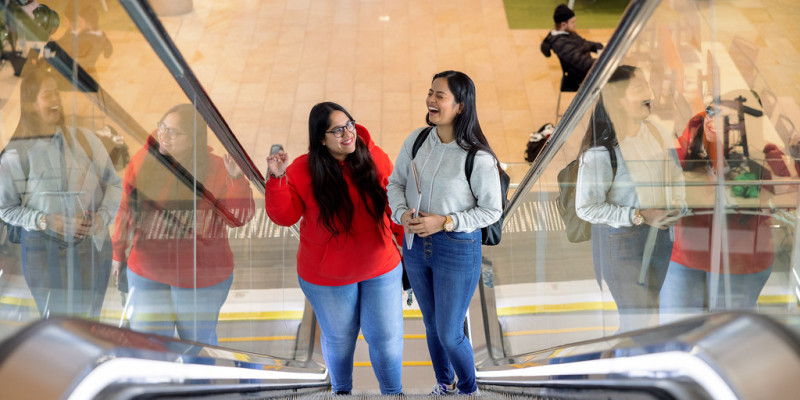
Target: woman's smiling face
point(340, 147)
point(442, 105)
point(48, 103)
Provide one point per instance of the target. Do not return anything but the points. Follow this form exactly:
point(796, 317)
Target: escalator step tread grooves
point(419, 396)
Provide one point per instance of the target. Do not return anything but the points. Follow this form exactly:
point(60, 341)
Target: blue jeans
point(65, 278)
point(444, 269)
point(617, 254)
point(160, 308)
point(376, 307)
point(688, 290)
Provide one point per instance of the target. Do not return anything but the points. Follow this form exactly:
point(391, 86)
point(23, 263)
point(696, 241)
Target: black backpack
point(490, 235)
point(578, 230)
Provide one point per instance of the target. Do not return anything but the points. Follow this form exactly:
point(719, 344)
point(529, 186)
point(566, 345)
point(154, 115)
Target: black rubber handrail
point(150, 26)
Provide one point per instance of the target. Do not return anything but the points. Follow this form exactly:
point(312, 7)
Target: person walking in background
point(631, 189)
point(59, 191)
point(179, 199)
point(443, 232)
point(572, 50)
point(348, 264)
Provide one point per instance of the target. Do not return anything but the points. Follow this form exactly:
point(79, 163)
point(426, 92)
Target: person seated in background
point(572, 50)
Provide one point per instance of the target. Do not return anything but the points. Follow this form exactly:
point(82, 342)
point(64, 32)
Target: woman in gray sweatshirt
point(442, 215)
point(631, 200)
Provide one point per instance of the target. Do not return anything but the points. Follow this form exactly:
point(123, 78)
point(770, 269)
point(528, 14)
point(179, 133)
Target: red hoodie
point(163, 236)
point(322, 259)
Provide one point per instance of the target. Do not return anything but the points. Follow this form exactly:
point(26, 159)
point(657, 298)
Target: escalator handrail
point(633, 20)
point(718, 351)
point(154, 32)
point(101, 356)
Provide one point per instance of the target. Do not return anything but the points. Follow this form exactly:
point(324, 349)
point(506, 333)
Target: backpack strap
point(420, 140)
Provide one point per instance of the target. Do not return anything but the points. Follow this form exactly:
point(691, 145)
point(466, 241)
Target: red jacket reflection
point(161, 223)
point(750, 247)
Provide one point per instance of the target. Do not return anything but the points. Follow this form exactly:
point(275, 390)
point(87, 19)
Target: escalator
point(540, 329)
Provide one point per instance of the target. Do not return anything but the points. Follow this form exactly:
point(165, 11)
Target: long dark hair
point(601, 131)
point(327, 177)
point(466, 128)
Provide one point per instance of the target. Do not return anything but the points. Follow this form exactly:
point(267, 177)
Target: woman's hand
point(660, 218)
point(277, 163)
point(426, 224)
point(230, 164)
point(74, 227)
point(406, 218)
point(116, 266)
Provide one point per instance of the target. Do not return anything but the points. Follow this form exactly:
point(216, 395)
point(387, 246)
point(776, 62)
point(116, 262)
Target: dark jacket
point(574, 53)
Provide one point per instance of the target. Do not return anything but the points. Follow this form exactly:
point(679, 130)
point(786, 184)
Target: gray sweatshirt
point(648, 176)
point(443, 183)
point(59, 182)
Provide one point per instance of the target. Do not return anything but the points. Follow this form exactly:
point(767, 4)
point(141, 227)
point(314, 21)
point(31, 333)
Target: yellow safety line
point(410, 314)
point(405, 364)
point(274, 338)
point(563, 330)
point(17, 301)
point(257, 339)
point(557, 308)
point(776, 299)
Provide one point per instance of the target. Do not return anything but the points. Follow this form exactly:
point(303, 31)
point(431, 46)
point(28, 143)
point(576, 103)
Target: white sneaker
point(440, 389)
point(476, 393)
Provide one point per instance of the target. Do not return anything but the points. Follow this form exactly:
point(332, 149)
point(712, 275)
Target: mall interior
point(135, 265)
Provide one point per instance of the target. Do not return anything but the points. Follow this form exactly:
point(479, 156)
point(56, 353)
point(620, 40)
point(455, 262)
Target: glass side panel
point(706, 154)
point(106, 166)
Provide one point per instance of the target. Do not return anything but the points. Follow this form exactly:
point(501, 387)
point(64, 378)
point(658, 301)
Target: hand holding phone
point(277, 161)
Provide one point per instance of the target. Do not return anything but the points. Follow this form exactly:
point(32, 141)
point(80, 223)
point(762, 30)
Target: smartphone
point(276, 148)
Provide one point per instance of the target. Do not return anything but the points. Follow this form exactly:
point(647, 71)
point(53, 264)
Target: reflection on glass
point(179, 198)
point(631, 198)
point(58, 194)
point(84, 38)
point(729, 273)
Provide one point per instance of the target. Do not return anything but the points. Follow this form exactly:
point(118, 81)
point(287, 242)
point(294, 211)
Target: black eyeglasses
point(339, 130)
point(711, 111)
point(171, 132)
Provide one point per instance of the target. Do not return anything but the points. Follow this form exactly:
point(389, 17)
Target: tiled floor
point(265, 63)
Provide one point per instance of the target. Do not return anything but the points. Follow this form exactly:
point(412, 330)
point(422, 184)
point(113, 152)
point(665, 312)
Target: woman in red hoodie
point(347, 264)
point(178, 200)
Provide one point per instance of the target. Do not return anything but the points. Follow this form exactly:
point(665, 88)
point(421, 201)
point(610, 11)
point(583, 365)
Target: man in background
point(572, 50)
